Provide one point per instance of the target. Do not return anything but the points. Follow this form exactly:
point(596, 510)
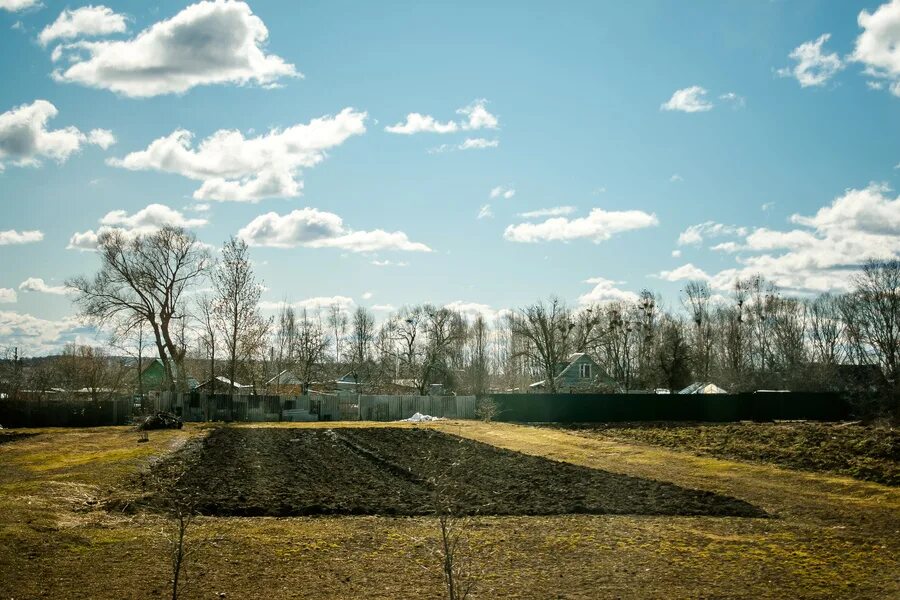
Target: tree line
point(165, 295)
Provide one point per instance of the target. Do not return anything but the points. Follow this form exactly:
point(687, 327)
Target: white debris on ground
point(420, 418)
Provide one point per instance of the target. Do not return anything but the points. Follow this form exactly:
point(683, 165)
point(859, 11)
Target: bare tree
point(479, 361)
point(362, 340)
point(206, 311)
point(310, 345)
point(236, 305)
point(144, 277)
point(546, 330)
point(337, 321)
point(696, 298)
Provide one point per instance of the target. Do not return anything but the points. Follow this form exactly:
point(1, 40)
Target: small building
point(224, 386)
point(703, 387)
point(580, 373)
point(285, 384)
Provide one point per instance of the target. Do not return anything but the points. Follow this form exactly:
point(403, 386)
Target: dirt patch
point(866, 452)
point(386, 471)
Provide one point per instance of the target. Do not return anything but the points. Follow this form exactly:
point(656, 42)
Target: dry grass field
point(61, 536)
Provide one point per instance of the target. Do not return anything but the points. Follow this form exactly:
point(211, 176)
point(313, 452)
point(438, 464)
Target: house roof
point(285, 378)
point(225, 381)
point(703, 387)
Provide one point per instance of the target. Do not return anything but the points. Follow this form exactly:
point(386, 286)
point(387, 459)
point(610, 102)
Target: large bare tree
point(144, 278)
point(546, 330)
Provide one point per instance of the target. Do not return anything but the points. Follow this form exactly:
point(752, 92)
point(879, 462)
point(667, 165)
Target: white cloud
point(502, 192)
point(813, 68)
point(7, 295)
point(878, 46)
point(147, 220)
point(37, 336)
point(367, 295)
point(598, 226)
point(11, 236)
point(17, 5)
point(695, 234)
point(690, 99)
point(477, 116)
point(206, 43)
point(825, 248)
point(235, 168)
point(313, 228)
point(734, 99)
point(676, 178)
point(383, 308)
point(605, 290)
point(687, 271)
point(388, 263)
point(767, 206)
point(419, 123)
point(86, 21)
point(485, 212)
point(556, 211)
point(676, 253)
point(36, 284)
point(25, 139)
point(478, 144)
point(101, 137)
point(471, 310)
point(315, 304)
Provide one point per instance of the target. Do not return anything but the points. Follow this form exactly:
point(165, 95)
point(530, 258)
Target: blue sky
point(710, 140)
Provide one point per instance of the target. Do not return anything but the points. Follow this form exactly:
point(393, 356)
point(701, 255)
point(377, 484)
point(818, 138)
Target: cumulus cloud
point(813, 66)
point(878, 46)
point(476, 116)
point(485, 212)
point(502, 192)
point(147, 220)
point(367, 295)
point(36, 336)
point(11, 236)
point(101, 137)
point(7, 295)
point(556, 211)
point(313, 228)
point(18, 5)
point(36, 284)
point(598, 226)
point(419, 123)
point(87, 21)
point(686, 271)
point(206, 43)
point(695, 234)
point(315, 304)
point(605, 290)
point(25, 139)
point(235, 168)
point(676, 178)
point(824, 249)
point(471, 310)
point(690, 99)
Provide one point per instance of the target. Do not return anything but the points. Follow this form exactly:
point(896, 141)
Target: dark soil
point(388, 471)
point(867, 452)
point(12, 436)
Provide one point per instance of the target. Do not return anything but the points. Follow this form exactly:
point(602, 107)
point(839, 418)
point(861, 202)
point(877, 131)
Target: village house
point(580, 373)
